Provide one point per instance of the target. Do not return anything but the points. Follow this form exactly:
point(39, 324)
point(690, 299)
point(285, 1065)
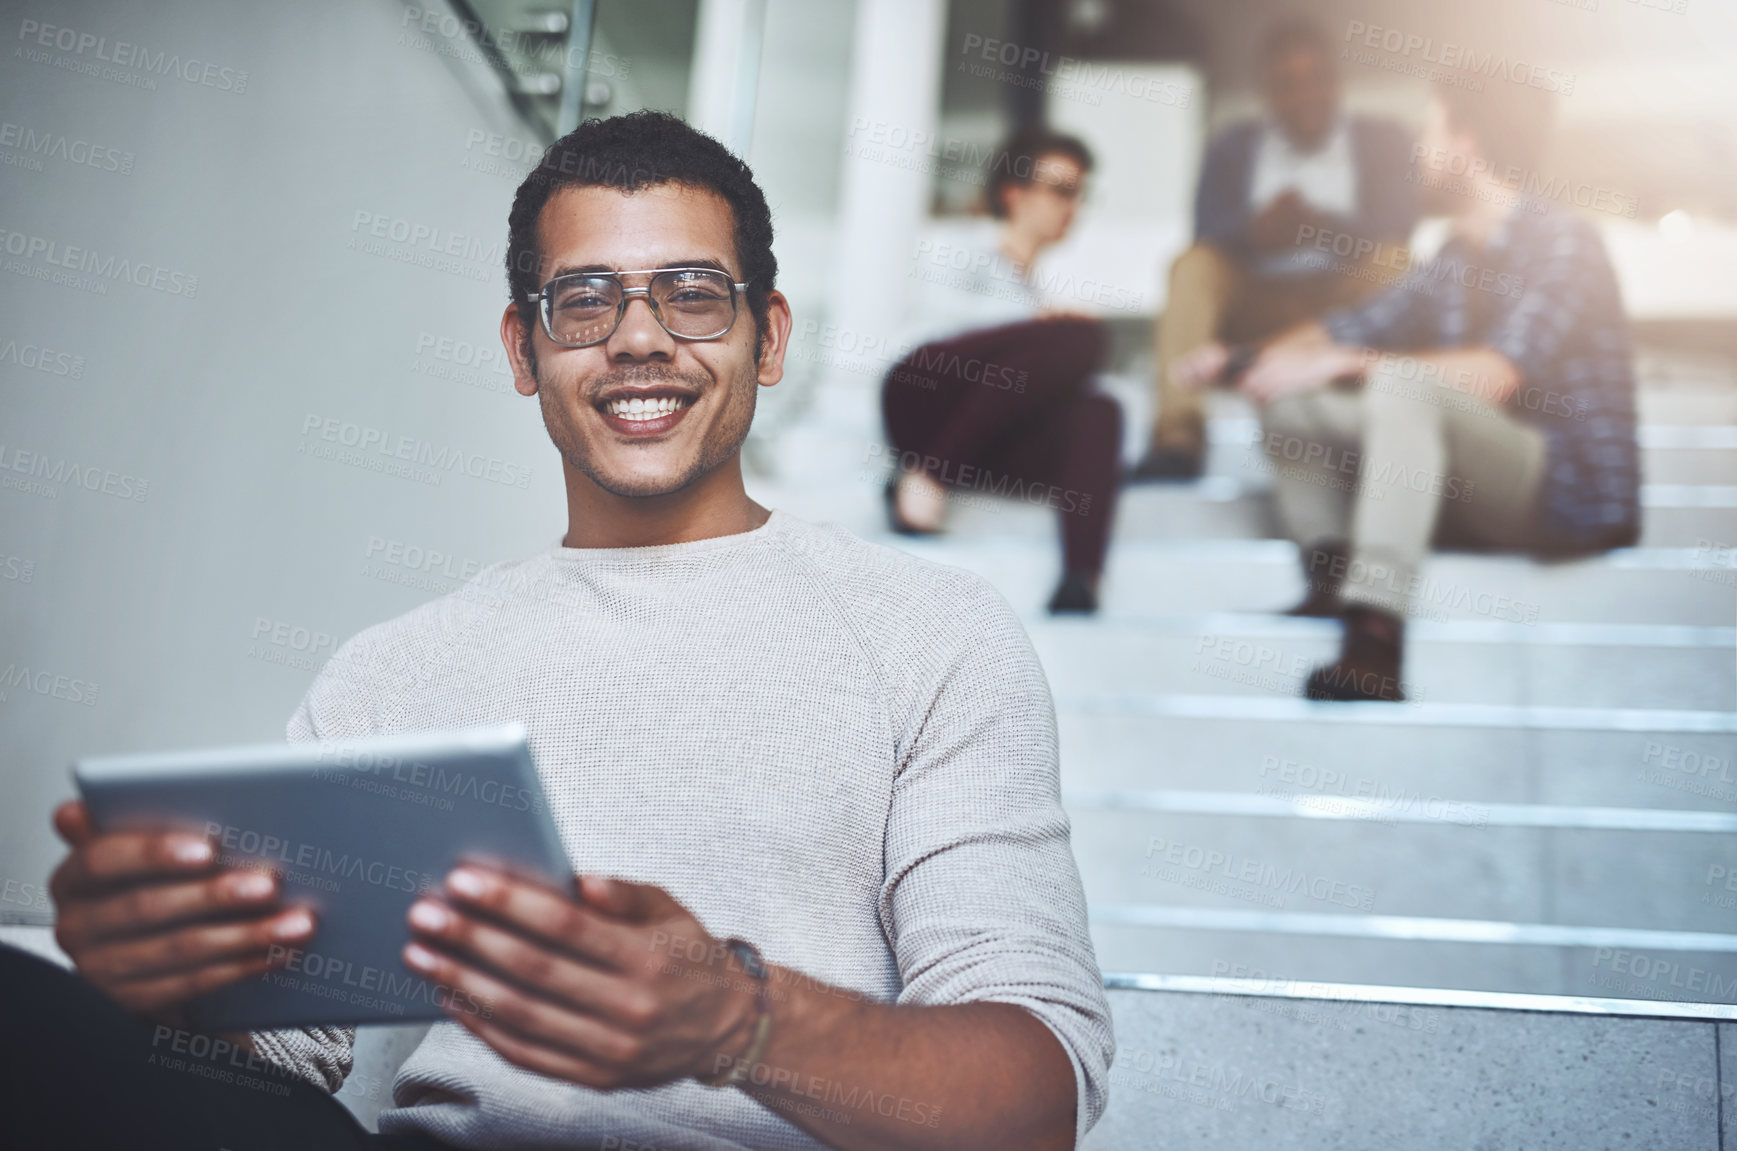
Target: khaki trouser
point(1213, 298)
point(1380, 466)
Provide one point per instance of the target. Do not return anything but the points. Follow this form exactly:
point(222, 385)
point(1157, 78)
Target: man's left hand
point(598, 989)
point(1290, 369)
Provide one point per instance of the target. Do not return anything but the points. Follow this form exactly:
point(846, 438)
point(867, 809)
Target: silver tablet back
point(355, 830)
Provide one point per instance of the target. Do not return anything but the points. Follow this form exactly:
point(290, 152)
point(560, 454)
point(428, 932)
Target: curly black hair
point(1295, 32)
point(633, 152)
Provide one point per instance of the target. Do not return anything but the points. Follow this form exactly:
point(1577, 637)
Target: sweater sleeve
point(982, 899)
point(321, 1055)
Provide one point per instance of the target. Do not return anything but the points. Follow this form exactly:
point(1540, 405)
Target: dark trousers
point(82, 1073)
point(1009, 411)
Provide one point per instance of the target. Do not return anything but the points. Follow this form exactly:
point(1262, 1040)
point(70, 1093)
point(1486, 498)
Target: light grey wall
point(801, 122)
point(254, 189)
point(800, 127)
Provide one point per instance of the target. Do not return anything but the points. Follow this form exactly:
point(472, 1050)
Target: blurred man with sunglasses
point(997, 394)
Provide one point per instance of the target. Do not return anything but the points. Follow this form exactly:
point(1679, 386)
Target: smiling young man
point(809, 784)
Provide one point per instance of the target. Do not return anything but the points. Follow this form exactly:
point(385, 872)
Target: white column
point(726, 70)
point(895, 91)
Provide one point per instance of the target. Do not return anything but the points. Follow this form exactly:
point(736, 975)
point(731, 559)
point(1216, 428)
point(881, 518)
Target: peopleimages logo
point(1019, 281)
point(441, 241)
point(536, 46)
point(58, 146)
point(421, 559)
point(90, 262)
point(1609, 962)
point(982, 480)
point(409, 456)
point(438, 779)
point(208, 1057)
point(1064, 76)
point(86, 49)
point(40, 682)
point(40, 358)
point(1358, 251)
point(332, 977)
point(1273, 879)
point(45, 471)
point(315, 862)
point(17, 569)
point(1448, 55)
point(1522, 181)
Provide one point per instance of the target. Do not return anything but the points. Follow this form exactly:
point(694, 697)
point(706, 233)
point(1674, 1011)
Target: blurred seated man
point(998, 397)
point(1489, 394)
point(1304, 170)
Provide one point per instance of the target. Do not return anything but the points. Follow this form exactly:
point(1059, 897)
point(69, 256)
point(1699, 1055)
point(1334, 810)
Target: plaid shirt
point(1543, 294)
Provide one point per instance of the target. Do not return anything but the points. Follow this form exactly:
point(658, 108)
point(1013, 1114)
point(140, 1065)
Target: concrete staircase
point(1553, 814)
point(1303, 1072)
point(1501, 915)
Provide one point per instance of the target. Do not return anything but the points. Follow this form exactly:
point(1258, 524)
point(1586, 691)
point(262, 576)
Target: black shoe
point(898, 523)
point(1169, 464)
point(1074, 595)
point(1323, 573)
point(1369, 662)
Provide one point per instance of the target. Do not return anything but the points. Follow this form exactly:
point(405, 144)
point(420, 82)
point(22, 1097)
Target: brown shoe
point(1077, 594)
point(1369, 662)
point(1169, 464)
point(1178, 453)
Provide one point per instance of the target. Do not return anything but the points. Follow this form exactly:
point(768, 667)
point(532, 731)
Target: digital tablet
point(356, 830)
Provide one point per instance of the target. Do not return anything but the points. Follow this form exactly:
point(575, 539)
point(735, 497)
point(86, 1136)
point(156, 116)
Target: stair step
point(1399, 807)
point(1414, 928)
point(1449, 866)
point(1276, 709)
point(1690, 771)
point(1259, 625)
point(1684, 585)
point(1093, 659)
point(1227, 1065)
point(1609, 972)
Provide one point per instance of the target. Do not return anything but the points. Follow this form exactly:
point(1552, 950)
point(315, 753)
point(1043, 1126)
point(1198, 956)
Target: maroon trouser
point(1010, 411)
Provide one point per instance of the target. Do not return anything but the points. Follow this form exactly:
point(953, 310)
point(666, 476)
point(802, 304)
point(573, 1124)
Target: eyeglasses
point(1065, 191)
point(584, 308)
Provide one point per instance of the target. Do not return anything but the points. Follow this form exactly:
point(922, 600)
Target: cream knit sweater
point(836, 750)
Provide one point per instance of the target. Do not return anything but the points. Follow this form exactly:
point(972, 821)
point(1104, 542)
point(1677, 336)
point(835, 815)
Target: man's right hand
point(152, 920)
